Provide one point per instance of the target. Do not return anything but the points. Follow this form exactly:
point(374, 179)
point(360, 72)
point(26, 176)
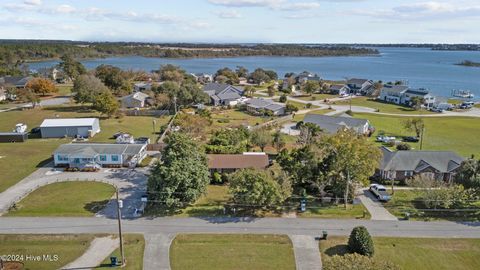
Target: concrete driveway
point(376, 209)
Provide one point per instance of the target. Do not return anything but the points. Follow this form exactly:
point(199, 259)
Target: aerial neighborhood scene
point(239, 134)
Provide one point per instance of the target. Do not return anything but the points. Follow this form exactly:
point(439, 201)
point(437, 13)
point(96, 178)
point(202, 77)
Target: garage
point(70, 127)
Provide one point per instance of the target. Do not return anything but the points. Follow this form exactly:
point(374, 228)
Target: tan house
point(228, 163)
point(135, 100)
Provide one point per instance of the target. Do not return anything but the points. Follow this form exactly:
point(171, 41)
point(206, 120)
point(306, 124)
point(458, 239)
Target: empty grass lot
point(18, 160)
point(66, 199)
point(225, 252)
point(321, 97)
point(134, 245)
point(459, 134)
point(415, 253)
point(234, 118)
point(67, 247)
point(411, 201)
point(383, 107)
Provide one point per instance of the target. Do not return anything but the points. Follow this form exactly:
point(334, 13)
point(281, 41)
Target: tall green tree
point(469, 174)
point(114, 78)
point(106, 103)
point(311, 87)
point(261, 138)
point(181, 176)
point(86, 88)
point(71, 67)
point(278, 141)
point(415, 125)
point(232, 77)
point(256, 189)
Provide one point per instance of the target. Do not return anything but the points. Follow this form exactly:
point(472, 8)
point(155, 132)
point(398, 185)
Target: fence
point(155, 147)
point(146, 112)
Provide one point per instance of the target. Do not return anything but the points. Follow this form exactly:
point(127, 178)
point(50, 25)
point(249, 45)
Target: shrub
point(361, 242)
point(349, 112)
point(308, 106)
point(217, 178)
point(403, 147)
point(283, 99)
point(357, 262)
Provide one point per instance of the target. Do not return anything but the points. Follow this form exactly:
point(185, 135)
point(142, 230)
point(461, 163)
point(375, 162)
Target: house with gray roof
point(142, 86)
point(223, 94)
point(360, 86)
point(260, 106)
point(95, 155)
point(401, 165)
point(332, 124)
point(402, 94)
point(69, 127)
point(15, 81)
point(135, 100)
point(339, 89)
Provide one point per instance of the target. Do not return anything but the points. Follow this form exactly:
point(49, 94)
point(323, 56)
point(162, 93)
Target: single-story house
point(9, 137)
point(227, 163)
point(339, 89)
point(401, 165)
point(332, 124)
point(307, 76)
point(142, 86)
point(223, 94)
point(69, 127)
point(3, 94)
point(16, 81)
point(402, 94)
point(135, 100)
point(203, 77)
point(360, 86)
point(260, 106)
point(81, 155)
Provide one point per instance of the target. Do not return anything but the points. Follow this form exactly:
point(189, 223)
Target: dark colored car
point(410, 139)
point(35, 130)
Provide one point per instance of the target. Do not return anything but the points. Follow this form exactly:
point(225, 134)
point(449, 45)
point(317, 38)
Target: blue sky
point(304, 21)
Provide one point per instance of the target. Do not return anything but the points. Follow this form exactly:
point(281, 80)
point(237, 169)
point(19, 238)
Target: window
point(103, 158)
point(62, 158)
point(114, 158)
point(408, 173)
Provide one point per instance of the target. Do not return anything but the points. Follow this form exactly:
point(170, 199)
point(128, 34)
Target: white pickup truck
point(380, 192)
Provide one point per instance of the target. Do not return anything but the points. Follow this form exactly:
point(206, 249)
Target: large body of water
point(420, 67)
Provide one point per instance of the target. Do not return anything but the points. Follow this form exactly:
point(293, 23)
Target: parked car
point(385, 139)
point(410, 139)
point(466, 105)
point(438, 110)
point(380, 192)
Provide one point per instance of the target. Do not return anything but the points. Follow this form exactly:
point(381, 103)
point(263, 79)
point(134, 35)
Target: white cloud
point(423, 11)
point(228, 14)
point(33, 2)
point(65, 9)
point(247, 3)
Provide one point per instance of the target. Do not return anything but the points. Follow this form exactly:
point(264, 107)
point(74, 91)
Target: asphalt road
point(314, 227)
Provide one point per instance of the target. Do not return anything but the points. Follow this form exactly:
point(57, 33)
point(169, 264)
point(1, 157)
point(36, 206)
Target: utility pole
point(119, 217)
point(346, 190)
point(175, 104)
point(154, 122)
point(351, 101)
point(421, 137)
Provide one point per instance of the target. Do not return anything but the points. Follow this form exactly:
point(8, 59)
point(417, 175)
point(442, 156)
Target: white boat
point(462, 94)
point(20, 128)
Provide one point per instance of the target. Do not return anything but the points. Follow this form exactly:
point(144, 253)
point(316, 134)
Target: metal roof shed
point(69, 127)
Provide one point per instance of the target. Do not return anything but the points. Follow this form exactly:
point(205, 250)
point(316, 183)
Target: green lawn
point(65, 199)
point(319, 97)
point(381, 106)
point(411, 201)
point(234, 118)
point(64, 90)
point(67, 247)
point(319, 210)
point(211, 204)
point(21, 159)
point(300, 117)
point(134, 245)
point(457, 134)
point(416, 253)
point(223, 252)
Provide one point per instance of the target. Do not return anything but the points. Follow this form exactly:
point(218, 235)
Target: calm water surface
point(420, 67)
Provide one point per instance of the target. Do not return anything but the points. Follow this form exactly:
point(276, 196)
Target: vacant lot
point(411, 201)
point(457, 134)
point(234, 118)
point(383, 107)
point(134, 245)
point(65, 199)
point(67, 247)
point(414, 253)
point(223, 252)
point(20, 159)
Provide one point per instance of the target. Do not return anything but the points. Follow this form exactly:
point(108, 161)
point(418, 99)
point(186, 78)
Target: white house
point(332, 124)
point(402, 94)
point(142, 86)
point(81, 155)
point(69, 127)
point(135, 100)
